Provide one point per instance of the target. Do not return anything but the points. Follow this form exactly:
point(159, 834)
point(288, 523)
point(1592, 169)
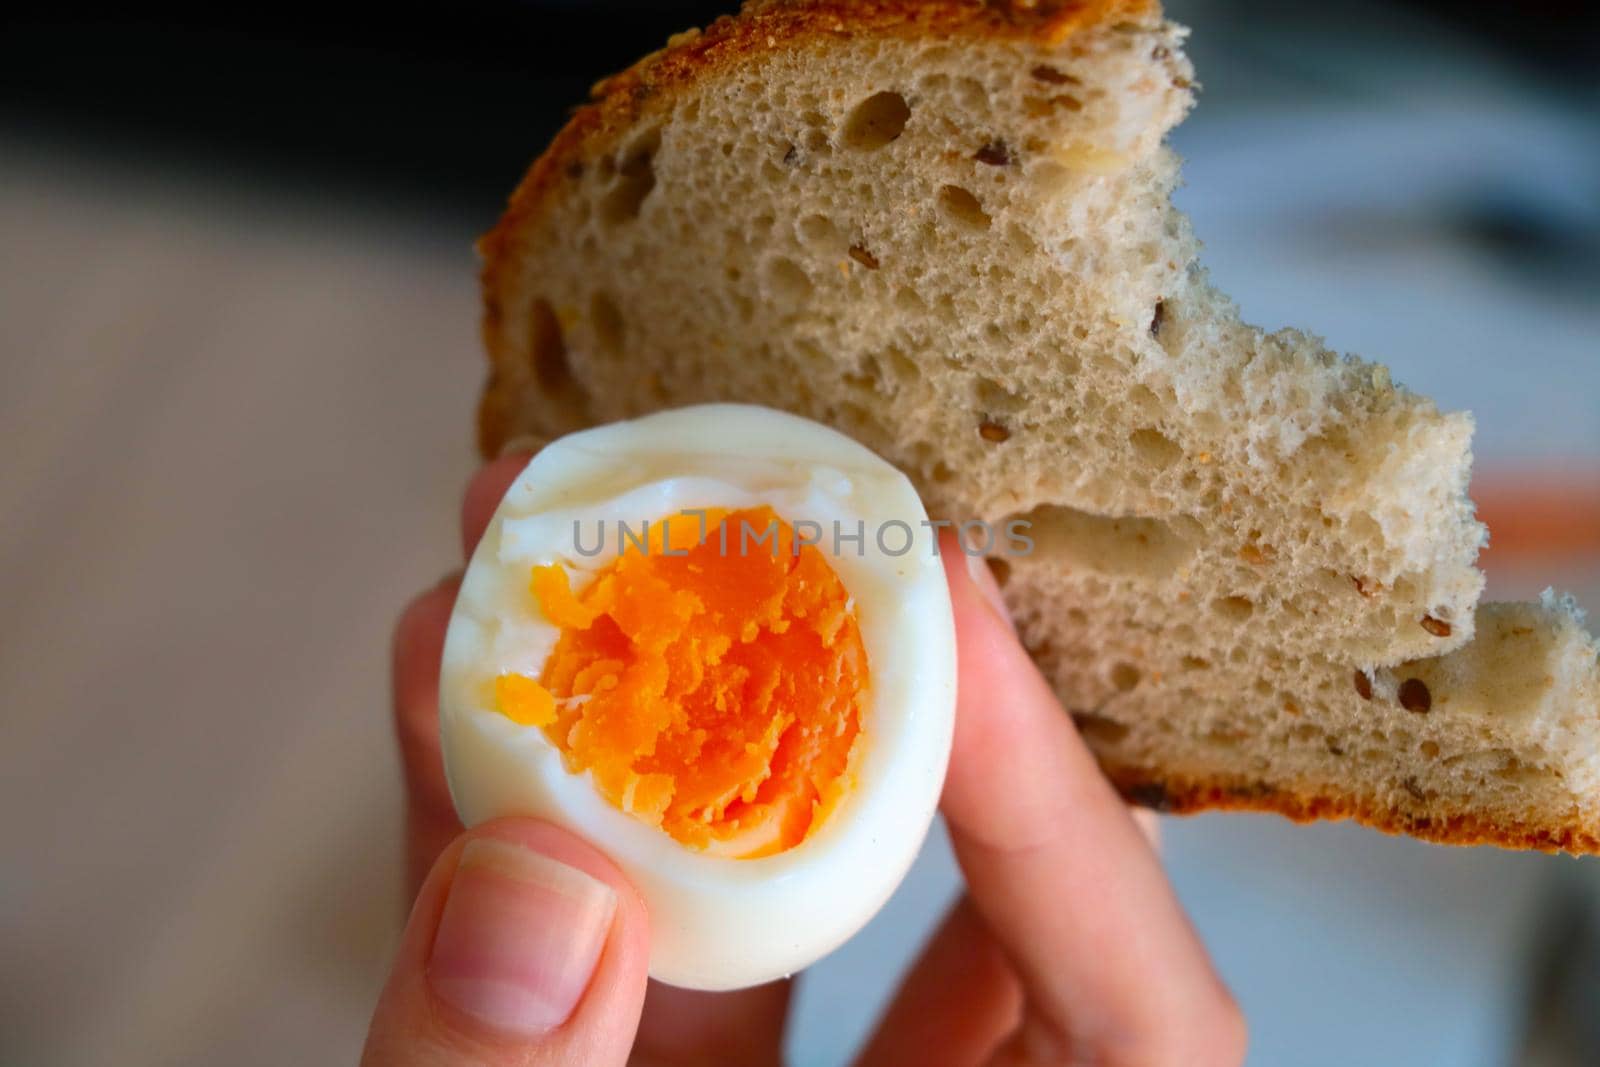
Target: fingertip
point(484, 493)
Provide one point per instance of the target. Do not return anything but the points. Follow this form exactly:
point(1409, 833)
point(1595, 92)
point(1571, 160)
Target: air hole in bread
point(1364, 527)
point(1255, 554)
point(788, 282)
point(963, 207)
point(1051, 177)
point(995, 153)
point(852, 414)
point(876, 121)
point(973, 94)
point(1333, 586)
point(904, 369)
point(1488, 759)
point(865, 382)
point(1021, 242)
point(1154, 448)
point(909, 301)
point(1236, 608)
point(820, 231)
point(1517, 771)
point(1041, 107)
point(1099, 729)
point(1223, 735)
point(547, 349)
point(635, 177)
point(606, 321)
point(1052, 76)
point(1125, 676)
point(1137, 547)
point(994, 397)
point(1141, 398)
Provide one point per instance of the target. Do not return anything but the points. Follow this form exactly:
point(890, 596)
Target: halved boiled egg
point(717, 643)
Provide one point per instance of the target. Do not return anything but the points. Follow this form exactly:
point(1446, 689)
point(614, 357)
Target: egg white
point(716, 923)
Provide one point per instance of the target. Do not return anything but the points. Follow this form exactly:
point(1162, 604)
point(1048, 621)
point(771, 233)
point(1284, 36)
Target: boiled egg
point(716, 643)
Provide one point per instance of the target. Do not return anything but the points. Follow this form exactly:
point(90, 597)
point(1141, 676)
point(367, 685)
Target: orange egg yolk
point(713, 686)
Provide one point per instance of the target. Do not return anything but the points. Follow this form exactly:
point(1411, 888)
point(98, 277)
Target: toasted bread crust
point(1177, 795)
point(620, 100)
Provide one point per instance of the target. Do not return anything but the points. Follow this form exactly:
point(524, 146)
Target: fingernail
point(983, 577)
point(519, 938)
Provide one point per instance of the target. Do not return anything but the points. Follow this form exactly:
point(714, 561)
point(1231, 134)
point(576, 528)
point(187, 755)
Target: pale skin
point(1067, 947)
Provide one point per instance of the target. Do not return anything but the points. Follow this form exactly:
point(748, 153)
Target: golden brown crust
point(1180, 795)
point(761, 25)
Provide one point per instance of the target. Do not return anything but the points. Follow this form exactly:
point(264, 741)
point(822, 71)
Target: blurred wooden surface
point(234, 430)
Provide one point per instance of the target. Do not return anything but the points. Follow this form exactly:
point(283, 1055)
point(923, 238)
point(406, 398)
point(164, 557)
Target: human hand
point(527, 946)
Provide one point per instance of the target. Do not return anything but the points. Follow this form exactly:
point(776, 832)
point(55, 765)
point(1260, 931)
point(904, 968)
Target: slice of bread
point(945, 229)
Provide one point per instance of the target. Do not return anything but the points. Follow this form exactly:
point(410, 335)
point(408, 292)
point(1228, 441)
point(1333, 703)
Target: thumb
point(525, 946)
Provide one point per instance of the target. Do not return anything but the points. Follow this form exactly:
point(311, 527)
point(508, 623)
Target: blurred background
point(238, 359)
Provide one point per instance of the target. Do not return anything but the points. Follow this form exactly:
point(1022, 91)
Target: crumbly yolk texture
point(717, 693)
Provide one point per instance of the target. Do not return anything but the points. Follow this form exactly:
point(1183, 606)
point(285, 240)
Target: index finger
point(1060, 872)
